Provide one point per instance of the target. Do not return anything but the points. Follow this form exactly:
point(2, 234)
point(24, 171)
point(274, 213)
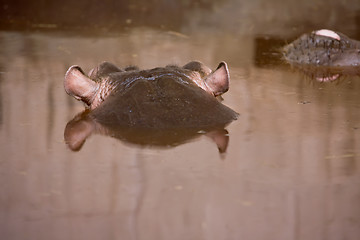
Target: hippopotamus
point(323, 48)
point(324, 54)
point(136, 105)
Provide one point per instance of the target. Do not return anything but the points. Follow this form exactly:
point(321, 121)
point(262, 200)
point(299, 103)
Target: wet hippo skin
point(160, 106)
point(324, 54)
point(323, 48)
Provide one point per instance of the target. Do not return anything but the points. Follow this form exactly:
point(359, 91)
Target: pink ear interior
point(78, 85)
point(218, 81)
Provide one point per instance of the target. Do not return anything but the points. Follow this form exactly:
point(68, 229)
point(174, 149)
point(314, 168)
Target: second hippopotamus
point(323, 48)
point(159, 98)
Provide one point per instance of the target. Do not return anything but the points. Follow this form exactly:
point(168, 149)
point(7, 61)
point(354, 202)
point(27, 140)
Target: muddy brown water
point(291, 169)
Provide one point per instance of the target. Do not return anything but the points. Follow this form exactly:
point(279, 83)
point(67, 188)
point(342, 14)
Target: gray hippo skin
point(323, 48)
point(149, 107)
point(324, 54)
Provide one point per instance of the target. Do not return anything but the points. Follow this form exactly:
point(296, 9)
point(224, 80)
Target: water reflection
point(84, 125)
point(327, 74)
point(291, 170)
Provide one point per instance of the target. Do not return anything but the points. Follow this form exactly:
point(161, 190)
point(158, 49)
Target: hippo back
point(163, 103)
point(323, 48)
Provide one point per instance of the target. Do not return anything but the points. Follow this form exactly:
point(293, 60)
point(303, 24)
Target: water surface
point(291, 169)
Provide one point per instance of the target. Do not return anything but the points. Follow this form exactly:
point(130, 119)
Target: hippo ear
point(218, 81)
point(78, 85)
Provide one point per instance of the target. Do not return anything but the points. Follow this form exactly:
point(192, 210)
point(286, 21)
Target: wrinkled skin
point(324, 55)
point(147, 107)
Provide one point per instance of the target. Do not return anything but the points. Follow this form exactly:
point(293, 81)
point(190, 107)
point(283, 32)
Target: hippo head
point(105, 79)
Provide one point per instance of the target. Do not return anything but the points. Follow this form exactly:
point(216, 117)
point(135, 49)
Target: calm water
point(291, 169)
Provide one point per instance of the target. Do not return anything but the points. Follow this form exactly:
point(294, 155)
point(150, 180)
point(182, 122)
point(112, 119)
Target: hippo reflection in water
point(161, 106)
point(324, 54)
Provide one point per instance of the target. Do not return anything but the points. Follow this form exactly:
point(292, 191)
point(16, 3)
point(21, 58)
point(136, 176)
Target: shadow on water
point(291, 169)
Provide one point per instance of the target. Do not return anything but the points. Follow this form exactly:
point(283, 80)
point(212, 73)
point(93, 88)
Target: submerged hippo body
point(324, 55)
point(132, 101)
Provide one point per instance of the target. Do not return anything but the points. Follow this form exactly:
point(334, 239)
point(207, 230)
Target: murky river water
point(291, 169)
